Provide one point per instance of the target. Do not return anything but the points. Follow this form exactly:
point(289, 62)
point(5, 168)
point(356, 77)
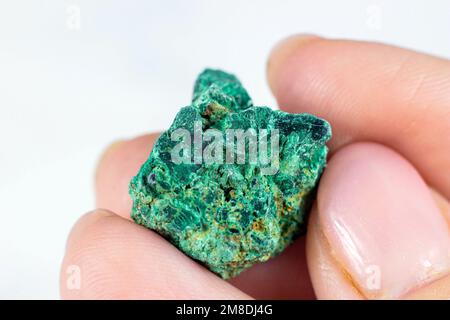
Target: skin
point(389, 109)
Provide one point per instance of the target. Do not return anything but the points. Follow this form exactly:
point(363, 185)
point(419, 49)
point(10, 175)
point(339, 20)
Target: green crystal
point(228, 215)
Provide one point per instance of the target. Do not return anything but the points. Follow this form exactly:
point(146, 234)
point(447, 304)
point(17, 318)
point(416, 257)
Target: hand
point(380, 226)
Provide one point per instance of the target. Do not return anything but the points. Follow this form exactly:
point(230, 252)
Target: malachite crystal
point(223, 199)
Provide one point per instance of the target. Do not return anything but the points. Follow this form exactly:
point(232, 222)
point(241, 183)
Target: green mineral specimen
point(231, 184)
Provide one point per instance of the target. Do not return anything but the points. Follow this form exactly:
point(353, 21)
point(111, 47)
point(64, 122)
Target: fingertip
point(106, 154)
point(281, 53)
point(369, 92)
point(80, 238)
point(118, 164)
point(83, 223)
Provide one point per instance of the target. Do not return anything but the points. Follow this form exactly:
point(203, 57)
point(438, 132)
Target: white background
point(68, 89)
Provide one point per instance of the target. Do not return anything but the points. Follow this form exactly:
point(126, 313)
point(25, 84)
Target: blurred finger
point(119, 163)
point(372, 92)
point(117, 259)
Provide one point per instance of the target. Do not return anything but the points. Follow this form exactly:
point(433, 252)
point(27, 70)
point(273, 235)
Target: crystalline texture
point(229, 216)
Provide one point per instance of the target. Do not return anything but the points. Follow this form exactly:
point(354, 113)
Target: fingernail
point(282, 51)
point(381, 222)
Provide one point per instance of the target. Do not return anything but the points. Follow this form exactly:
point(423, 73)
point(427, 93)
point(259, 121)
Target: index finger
point(370, 92)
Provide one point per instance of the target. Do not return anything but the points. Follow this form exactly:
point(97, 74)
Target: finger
point(442, 203)
point(285, 276)
point(118, 259)
point(118, 164)
point(370, 92)
point(378, 232)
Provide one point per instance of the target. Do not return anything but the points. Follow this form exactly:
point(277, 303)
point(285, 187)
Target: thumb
point(377, 232)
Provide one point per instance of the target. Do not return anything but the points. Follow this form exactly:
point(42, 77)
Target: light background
point(69, 87)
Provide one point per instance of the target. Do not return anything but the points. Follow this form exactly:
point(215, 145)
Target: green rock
point(231, 198)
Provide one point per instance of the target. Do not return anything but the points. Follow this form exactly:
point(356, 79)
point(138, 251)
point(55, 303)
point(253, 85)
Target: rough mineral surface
point(229, 216)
